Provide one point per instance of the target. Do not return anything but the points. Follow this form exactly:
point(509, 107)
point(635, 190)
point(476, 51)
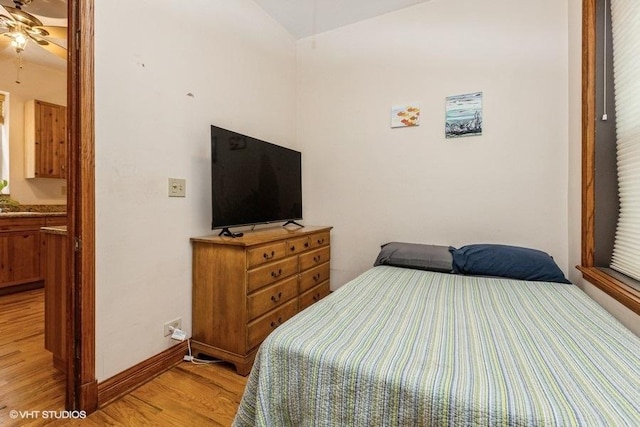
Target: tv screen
point(253, 181)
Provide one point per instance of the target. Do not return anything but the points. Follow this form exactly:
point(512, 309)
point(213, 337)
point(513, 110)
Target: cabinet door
point(51, 137)
point(20, 257)
point(45, 140)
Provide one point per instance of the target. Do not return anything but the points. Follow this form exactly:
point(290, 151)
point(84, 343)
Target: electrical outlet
point(177, 187)
point(172, 324)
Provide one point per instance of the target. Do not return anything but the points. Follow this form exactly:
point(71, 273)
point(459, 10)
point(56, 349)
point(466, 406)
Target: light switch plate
point(177, 187)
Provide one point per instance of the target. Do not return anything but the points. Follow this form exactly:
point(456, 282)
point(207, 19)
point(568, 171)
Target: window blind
point(625, 27)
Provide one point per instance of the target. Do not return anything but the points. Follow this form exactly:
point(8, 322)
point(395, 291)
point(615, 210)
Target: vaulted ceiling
point(301, 18)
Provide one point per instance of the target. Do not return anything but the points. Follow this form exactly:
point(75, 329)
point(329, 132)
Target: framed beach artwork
point(464, 115)
point(405, 115)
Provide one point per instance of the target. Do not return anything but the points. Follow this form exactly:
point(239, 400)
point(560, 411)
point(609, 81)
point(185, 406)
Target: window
point(2, 97)
point(600, 206)
point(625, 18)
point(4, 139)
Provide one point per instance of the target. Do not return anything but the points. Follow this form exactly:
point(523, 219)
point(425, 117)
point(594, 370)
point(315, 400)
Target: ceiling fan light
point(19, 41)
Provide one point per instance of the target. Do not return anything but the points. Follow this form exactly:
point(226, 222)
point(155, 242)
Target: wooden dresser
point(243, 288)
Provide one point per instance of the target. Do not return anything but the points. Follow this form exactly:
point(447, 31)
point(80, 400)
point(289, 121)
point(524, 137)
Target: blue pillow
point(506, 261)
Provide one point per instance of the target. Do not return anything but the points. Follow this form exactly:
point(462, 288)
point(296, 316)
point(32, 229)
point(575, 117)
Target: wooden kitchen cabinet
point(56, 261)
point(45, 140)
point(21, 244)
point(20, 255)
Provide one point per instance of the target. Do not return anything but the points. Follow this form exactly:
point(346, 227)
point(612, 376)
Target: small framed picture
point(405, 115)
point(463, 115)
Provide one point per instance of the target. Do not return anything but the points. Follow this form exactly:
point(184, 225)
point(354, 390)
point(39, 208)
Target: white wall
point(37, 82)
point(165, 71)
point(375, 184)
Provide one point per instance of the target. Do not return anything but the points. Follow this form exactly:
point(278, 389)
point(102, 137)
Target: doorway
point(81, 384)
point(27, 77)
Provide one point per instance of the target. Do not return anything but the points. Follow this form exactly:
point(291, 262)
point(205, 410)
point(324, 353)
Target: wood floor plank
point(175, 388)
point(28, 380)
point(187, 394)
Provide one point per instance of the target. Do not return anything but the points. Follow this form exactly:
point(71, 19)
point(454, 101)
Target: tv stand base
point(292, 222)
point(229, 233)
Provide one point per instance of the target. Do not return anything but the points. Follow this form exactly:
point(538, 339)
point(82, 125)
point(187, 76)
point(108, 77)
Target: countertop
point(56, 229)
point(30, 214)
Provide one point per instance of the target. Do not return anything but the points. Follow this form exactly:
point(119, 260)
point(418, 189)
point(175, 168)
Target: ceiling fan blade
point(23, 17)
point(4, 11)
point(51, 47)
point(55, 32)
point(48, 8)
point(6, 20)
point(4, 42)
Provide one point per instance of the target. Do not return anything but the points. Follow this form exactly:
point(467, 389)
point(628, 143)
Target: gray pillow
point(417, 256)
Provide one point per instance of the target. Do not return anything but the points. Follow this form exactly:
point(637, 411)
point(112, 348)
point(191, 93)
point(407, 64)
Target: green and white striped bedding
point(402, 347)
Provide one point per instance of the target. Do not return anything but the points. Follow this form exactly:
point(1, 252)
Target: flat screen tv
point(253, 181)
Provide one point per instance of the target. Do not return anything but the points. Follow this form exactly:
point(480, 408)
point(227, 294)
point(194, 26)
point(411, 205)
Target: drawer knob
point(268, 256)
point(276, 298)
point(316, 297)
point(317, 258)
point(292, 248)
point(306, 244)
point(277, 323)
point(275, 274)
point(316, 277)
point(320, 241)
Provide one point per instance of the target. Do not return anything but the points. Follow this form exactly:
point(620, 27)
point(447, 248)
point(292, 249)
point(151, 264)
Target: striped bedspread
point(400, 347)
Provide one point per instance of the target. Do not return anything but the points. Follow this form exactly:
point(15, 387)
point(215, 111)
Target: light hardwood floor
point(28, 380)
point(187, 394)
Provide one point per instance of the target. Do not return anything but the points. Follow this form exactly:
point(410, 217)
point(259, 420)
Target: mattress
point(402, 347)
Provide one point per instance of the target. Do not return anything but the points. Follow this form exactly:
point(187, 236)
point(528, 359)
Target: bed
point(403, 346)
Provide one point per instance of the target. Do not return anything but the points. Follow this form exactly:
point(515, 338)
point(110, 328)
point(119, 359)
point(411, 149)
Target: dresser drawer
point(260, 328)
point(319, 239)
point(295, 246)
point(314, 277)
point(267, 253)
point(271, 297)
point(271, 273)
point(315, 257)
point(314, 295)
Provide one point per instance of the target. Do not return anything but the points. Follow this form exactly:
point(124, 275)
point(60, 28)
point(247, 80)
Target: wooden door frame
point(82, 386)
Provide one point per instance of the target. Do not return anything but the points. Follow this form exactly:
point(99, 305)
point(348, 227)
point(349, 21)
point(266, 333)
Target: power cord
point(180, 335)
point(196, 361)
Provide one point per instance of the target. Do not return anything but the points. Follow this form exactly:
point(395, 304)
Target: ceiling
point(303, 18)
point(49, 8)
point(50, 12)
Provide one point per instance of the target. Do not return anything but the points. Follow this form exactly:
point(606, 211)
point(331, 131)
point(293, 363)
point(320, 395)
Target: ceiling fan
point(17, 27)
